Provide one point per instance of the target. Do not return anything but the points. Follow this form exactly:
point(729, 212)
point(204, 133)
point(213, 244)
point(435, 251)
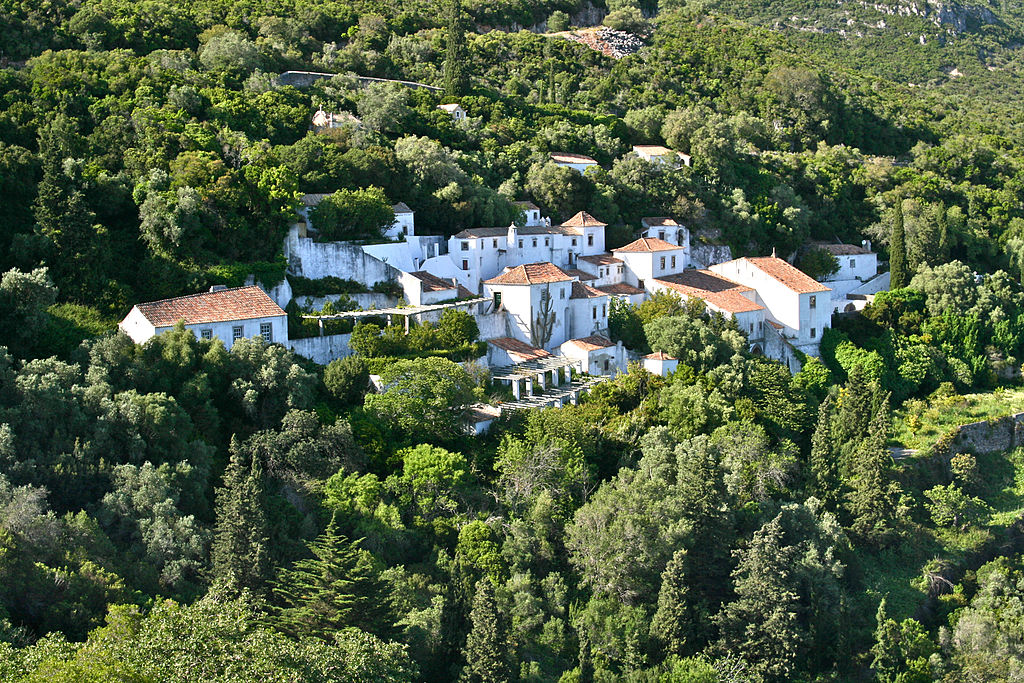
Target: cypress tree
point(240, 550)
point(673, 622)
point(486, 643)
point(456, 80)
point(852, 417)
point(898, 251)
point(871, 502)
point(824, 466)
point(338, 587)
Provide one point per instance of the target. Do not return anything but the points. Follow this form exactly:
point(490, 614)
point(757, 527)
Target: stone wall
point(989, 436)
point(315, 260)
point(365, 301)
point(322, 350)
point(704, 255)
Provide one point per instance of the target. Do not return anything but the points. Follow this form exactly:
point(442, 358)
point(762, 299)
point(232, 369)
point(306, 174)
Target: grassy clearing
point(920, 422)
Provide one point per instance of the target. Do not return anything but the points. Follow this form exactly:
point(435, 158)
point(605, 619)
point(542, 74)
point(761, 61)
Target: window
point(206, 334)
point(621, 268)
point(853, 263)
point(640, 284)
point(520, 244)
point(590, 240)
point(594, 312)
point(465, 245)
point(814, 332)
point(237, 333)
point(494, 243)
point(814, 301)
point(547, 241)
point(574, 241)
point(267, 331)
point(600, 272)
point(673, 261)
point(760, 325)
point(465, 264)
point(663, 263)
point(606, 365)
point(751, 327)
point(604, 310)
point(661, 235)
point(561, 293)
point(534, 241)
point(497, 299)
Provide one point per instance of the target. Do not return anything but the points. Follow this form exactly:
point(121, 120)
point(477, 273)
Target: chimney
point(218, 288)
point(773, 252)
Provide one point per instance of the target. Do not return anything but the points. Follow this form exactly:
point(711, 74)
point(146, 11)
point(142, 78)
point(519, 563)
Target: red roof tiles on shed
point(241, 303)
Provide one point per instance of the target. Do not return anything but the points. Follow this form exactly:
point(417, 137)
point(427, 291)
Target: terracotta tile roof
point(482, 412)
point(843, 249)
point(518, 350)
point(601, 259)
point(659, 355)
point(549, 230)
point(527, 206)
point(621, 289)
point(401, 207)
point(313, 199)
point(580, 274)
point(432, 283)
point(582, 291)
point(566, 158)
point(583, 220)
point(717, 291)
point(531, 274)
point(787, 275)
point(659, 222)
point(775, 324)
point(647, 244)
point(463, 293)
point(471, 233)
point(592, 343)
point(449, 107)
point(652, 150)
point(241, 303)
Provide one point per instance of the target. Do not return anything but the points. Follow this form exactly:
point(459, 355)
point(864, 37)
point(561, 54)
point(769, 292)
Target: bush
point(302, 286)
point(352, 215)
point(628, 19)
point(558, 21)
point(346, 379)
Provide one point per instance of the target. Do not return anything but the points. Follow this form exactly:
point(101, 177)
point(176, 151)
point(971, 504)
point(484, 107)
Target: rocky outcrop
point(609, 42)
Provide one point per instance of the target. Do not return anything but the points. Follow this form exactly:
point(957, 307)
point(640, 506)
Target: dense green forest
point(177, 512)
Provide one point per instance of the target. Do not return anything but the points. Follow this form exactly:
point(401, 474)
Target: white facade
point(456, 111)
point(800, 305)
point(273, 328)
point(660, 363)
point(667, 230)
point(643, 266)
point(656, 154)
point(596, 355)
point(404, 225)
point(576, 162)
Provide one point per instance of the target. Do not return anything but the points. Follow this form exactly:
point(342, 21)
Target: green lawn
point(920, 423)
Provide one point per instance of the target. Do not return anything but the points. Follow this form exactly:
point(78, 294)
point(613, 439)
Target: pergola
point(536, 369)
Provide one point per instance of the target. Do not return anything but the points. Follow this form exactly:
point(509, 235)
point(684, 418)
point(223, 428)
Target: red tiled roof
point(601, 259)
point(449, 107)
point(517, 349)
point(647, 244)
point(566, 158)
point(401, 207)
point(621, 289)
point(653, 150)
point(659, 221)
point(580, 274)
point(531, 274)
point(592, 343)
point(659, 355)
point(527, 206)
point(463, 293)
point(432, 283)
point(241, 303)
point(788, 275)
point(582, 291)
point(720, 292)
point(582, 219)
point(843, 249)
point(470, 233)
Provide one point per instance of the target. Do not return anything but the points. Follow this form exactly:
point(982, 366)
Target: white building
point(547, 306)
point(799, 307)
point(857, 277)
point(596, 354)
point(421, 288)
point(221, 313)
point(483, 253)
point(324, 121)
point(721, 295)
point(665, 229)
point(404, 225)
point(660, 363)
point(656, 154)
point(457, 112)
point(532, 213)
point(648, 258)
point(577, 162)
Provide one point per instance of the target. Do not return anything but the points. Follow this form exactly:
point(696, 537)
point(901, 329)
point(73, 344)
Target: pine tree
point(336, 588)
point(240, 550)
point(456, 79)
point(872, 500)
point(486, 643)
point(852, 417)
point(673, 622)
point(898, 251)
point(824, 466)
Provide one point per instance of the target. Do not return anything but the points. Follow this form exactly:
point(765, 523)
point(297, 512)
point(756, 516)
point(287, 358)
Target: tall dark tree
point(824, 482)
point(673, 622)
point(241, 542)
point(456, 78)
point(338, 587)
point(874, 495)
point(899, 277)
point(486, 643)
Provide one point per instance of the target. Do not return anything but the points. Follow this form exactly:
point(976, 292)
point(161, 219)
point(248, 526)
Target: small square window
point(814, 332)
point(465, 245)
point(206, 334)
point(237, 333)
point(661, 236)
point(574, 241)
point(267, 332)
point(814, 301)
